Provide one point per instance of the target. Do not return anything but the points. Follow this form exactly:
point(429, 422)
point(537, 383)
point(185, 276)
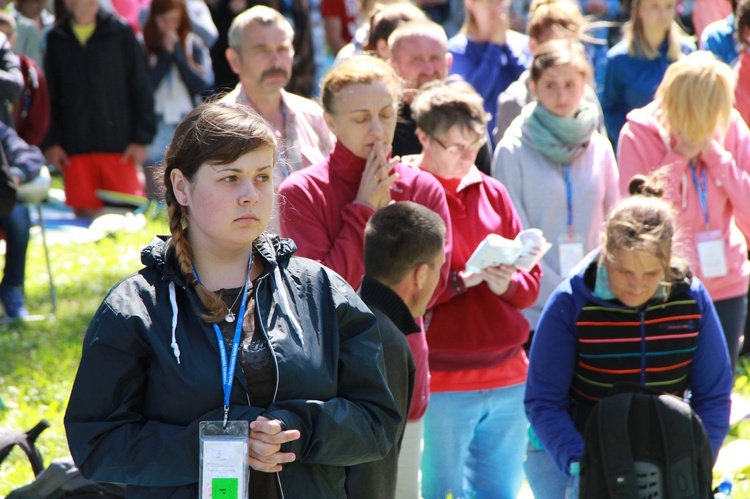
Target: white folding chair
point(33, 194)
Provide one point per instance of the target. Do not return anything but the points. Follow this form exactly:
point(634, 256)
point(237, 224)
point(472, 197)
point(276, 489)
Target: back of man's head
point(399, 238)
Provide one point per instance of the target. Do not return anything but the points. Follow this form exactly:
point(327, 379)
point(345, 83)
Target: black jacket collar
point(380, 296)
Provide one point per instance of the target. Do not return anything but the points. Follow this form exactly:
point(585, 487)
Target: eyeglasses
point(459, 149)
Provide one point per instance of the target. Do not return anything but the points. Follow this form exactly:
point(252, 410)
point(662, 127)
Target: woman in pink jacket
point(700, 148)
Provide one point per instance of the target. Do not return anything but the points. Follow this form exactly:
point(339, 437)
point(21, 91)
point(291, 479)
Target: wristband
point(457, 283)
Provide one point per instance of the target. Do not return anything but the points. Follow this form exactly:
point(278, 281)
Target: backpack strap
point(615, 447)
point(676, 418)
point(10, 438)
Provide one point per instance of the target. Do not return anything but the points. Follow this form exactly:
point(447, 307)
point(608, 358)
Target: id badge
point(711, 254)
point(570, 252)
point(224, 472)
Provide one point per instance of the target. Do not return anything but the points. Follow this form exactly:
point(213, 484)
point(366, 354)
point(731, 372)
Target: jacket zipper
point(276, 366)
point(642, 315)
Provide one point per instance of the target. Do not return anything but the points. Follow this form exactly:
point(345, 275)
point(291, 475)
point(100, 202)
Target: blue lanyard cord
point(702, 188)
point(569, 197)
point(228, 367)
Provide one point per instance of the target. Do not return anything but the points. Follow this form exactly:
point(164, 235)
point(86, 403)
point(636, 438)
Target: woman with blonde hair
point(652, 40)
point(701, 148)
point(487, 53)
point(223, 323)
point(475, 425)
point(632, 314)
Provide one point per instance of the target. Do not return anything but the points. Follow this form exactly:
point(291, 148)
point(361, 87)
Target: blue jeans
point(474, 444)
point(732, 313)
point(16, 228)
point(545, 478)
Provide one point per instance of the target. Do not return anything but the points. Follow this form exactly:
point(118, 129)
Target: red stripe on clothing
point(651, 338)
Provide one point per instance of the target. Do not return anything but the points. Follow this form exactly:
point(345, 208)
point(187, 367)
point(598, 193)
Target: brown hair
point(563, 18)
point(360, 69)
point(384, 19)
point(741, 20)
point(441, 106)
point(644, 222)
point(559, 53)
point(151, 34)
point(398, 238)
point(214, 134)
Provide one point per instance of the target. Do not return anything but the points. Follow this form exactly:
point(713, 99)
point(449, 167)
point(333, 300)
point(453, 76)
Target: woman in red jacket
point(475, 427)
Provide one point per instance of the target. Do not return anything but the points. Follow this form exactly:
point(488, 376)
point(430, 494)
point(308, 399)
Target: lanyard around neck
point(702, 188)
point(569, 198)
point(228, 366)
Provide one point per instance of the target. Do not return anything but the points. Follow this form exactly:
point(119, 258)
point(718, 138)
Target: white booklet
point(524, 251)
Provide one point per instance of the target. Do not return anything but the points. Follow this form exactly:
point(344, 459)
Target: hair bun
point(641, 185)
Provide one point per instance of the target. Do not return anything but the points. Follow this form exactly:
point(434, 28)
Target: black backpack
point(639, 445)
point(60, 480)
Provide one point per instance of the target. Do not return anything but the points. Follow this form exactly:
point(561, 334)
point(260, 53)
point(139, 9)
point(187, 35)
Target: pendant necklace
point(230, 317)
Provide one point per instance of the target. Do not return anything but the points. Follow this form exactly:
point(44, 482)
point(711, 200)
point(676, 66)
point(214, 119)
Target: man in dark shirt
point(404, 251)
point(419, 54)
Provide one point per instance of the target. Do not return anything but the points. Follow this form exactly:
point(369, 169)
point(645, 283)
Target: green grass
point(38, 360)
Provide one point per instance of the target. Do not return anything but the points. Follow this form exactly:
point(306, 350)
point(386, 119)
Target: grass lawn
point(38, 360)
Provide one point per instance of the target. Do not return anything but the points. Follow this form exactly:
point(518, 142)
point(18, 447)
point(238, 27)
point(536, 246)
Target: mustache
point(273, 71)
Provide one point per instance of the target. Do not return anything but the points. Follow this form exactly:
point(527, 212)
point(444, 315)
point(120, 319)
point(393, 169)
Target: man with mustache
point(261, 54)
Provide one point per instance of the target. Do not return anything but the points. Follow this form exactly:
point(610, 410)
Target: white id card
point(711, 254)
point(570, 252)
point(223, 460)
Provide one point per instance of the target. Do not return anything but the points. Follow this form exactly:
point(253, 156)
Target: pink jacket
point(319, 212)
point(707, 11)
point(644, 147)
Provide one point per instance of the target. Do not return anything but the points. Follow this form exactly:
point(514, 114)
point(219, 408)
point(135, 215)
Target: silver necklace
point(230, 317)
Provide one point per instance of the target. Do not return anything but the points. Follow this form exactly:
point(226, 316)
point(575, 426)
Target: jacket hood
point(584, 279)
point(274, 250)
point(644, 122)
point(159, 254)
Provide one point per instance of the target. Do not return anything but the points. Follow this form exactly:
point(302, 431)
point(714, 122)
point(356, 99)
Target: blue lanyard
point(227, 368)
point(569, 197)
point(702, 188)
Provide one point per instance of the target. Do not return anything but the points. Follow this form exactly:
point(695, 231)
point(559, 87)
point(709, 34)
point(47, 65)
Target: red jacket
point(479, 329)
point(319, 213)
point(31, 112)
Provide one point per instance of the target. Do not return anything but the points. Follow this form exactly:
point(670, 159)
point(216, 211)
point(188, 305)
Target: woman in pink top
point(700, 148)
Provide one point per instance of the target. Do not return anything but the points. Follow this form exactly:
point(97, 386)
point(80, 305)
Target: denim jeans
point(474, 444)
point(545, 478)
point(16, 228)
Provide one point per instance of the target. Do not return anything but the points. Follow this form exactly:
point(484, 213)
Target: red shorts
point(86, 173)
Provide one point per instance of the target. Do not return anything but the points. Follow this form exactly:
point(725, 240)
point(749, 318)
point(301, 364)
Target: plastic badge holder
point(224, 472)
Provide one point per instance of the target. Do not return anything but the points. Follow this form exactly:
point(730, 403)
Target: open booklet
point(524, 251)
